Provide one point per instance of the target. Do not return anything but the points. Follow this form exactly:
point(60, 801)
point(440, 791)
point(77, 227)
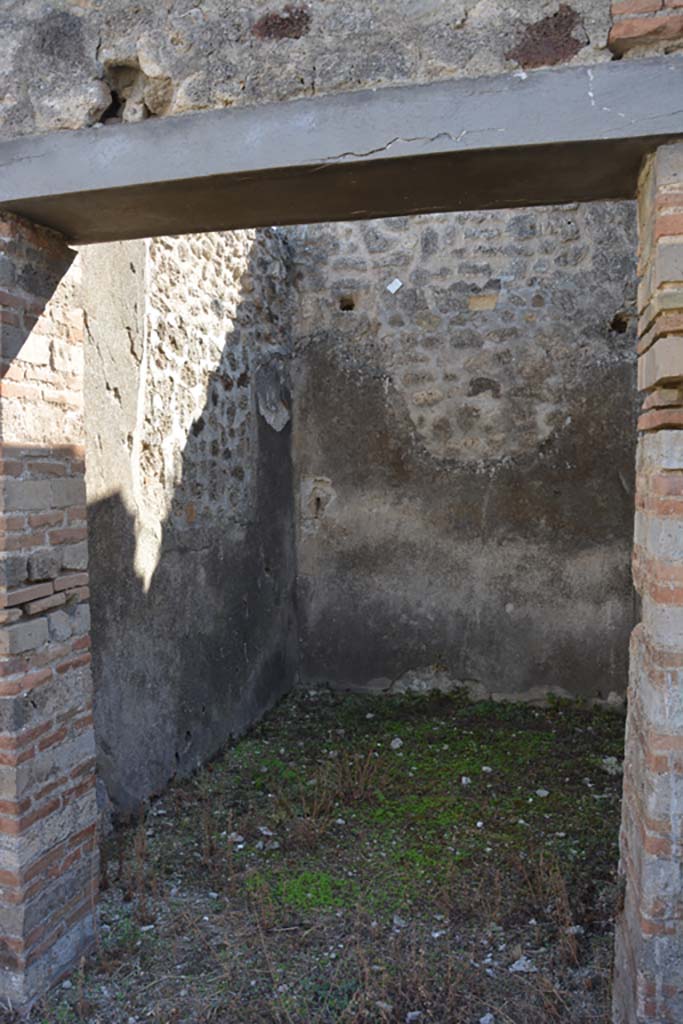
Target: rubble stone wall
point(76, 63)
point(464, 436)
point(189, 494)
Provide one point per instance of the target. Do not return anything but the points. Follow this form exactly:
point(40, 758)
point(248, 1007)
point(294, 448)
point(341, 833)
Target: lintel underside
point(553, 136)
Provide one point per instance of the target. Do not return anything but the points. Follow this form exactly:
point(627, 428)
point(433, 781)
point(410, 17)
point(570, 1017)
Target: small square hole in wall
point(347, 303)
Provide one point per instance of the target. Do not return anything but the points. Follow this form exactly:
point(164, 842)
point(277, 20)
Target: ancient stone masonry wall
point(48, 854)
point(464, 414)
point(649, 965)
point(189, 493)
point(72, 64)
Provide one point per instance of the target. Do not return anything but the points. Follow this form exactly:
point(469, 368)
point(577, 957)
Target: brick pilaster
point(48, 848)
point(645, 23)
point(648, 985)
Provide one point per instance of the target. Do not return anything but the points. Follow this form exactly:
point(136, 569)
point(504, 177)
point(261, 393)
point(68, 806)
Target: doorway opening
point(359, 462)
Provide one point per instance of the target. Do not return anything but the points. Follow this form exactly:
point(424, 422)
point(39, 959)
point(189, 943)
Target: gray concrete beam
point(550, 136)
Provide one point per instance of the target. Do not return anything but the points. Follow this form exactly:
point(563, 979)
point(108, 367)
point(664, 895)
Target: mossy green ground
point(360, 859)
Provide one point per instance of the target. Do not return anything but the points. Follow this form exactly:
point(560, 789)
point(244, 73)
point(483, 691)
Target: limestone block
point(661, 364)
point(12, 570)
point(663, 624)
point(25, 495)
point(60, 625)
point(74, 556)
point(664, 301)
point(661, 451)
point(660, 536)
point(44, 564)
point(23, 636)
point(67, 491)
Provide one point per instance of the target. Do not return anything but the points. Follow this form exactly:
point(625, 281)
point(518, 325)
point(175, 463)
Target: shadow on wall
point(465, 398)
point(196, 648)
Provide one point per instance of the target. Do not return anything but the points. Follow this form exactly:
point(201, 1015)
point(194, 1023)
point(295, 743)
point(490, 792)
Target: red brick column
point(645, 23)
point(48, 850)
point(648, 985)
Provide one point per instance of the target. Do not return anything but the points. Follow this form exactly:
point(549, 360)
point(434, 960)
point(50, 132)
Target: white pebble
point(522, 966)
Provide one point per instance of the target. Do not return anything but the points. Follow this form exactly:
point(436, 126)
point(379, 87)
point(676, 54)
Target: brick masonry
point(645, 23)
point(649, 963)
point(48, 841)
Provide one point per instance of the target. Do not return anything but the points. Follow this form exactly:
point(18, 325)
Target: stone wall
point(464, 436)
point(75, 63)
point(189, 494)
point(454, 518)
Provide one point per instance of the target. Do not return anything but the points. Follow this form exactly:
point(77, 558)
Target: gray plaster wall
point(464, 450)
point(190, 505)
point(68, 64)
point(446, 495)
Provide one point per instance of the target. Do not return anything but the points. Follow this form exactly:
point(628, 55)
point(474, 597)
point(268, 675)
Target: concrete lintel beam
point(550, 136)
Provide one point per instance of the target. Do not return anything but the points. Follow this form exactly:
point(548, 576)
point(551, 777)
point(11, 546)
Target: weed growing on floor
point(369, 859)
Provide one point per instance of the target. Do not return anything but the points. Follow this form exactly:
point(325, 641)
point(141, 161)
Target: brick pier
point(48, 843)
point(648, 984)
point(645, 23)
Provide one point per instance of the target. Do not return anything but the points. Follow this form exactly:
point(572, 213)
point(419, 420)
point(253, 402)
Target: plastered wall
point(189, 497)
point(464, 437)
point(445, 497)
